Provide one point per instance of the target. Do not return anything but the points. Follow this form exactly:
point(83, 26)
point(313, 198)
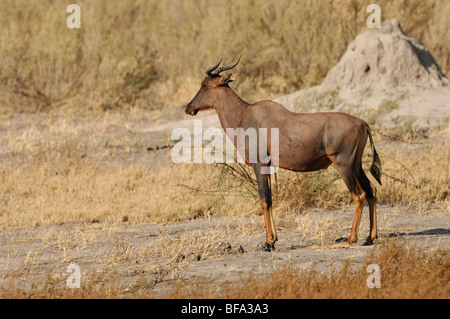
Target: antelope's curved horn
point(228, 67)
point(211, 69)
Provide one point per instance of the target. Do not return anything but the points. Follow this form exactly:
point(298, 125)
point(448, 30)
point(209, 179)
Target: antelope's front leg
point(265, 198)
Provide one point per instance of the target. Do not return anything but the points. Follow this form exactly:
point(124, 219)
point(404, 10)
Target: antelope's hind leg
point(373, 216)
point(347, 172)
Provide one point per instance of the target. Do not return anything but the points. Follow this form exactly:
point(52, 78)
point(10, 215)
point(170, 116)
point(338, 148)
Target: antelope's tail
point(375, 168)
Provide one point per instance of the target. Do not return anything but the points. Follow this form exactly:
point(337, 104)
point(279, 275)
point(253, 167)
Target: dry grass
point(100, 286)
point(406, 273)
point(47, 194)
point(152, 53)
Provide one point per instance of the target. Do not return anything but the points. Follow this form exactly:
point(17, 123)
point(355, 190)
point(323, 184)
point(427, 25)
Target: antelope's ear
point(229, 78)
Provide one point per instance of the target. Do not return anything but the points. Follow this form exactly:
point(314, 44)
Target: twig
point(244, 175)
point(396, 138)
point(404, 167)
point(396, 179)
point(198, 189)
point(160, 147)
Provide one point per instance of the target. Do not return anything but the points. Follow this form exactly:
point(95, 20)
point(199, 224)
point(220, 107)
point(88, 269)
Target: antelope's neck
point(230, 109)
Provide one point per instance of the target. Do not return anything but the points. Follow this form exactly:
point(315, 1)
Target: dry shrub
point(292, 192)
point(296, 192)
point(406, 272)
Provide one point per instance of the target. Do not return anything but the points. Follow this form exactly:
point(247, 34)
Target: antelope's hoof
point(369, 241)
point(266, 246)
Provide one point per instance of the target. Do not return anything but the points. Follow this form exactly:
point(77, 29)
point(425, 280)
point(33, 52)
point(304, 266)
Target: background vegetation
point(152, 54)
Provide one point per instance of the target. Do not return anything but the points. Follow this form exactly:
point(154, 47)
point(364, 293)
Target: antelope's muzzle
point(191, 112)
